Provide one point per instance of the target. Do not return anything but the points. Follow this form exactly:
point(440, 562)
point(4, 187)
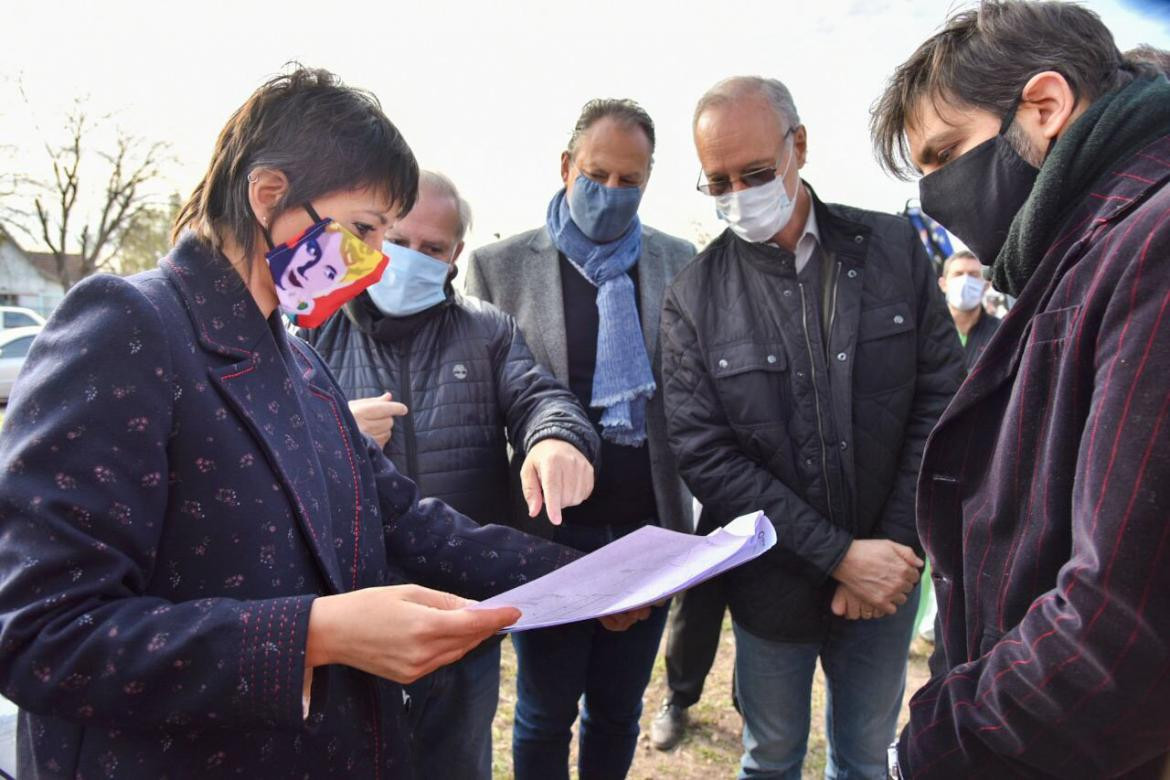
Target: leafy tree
point(148, 237)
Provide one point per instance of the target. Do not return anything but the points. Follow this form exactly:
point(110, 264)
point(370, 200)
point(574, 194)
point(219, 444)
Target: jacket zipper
point(411, 445)
point(828, 340)
point(833, 305)
point(816, 398)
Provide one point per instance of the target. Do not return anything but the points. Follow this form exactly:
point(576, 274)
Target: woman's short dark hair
point(984, 56)
point(622, 110)
point(322, 135)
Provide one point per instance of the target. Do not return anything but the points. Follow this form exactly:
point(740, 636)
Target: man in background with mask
point(468, 388)
point(587, 289)
point(1042, 500)
point(964, 285)
point(807, 354)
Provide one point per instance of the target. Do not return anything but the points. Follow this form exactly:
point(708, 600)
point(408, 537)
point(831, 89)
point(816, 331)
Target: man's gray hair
point(437, 182)
point(736, 87)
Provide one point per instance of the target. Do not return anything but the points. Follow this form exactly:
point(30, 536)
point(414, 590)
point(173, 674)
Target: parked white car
point(14, 345)
point(19, 317)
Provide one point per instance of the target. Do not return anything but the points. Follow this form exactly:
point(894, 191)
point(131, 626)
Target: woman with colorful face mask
point(199, 552)
point(322, 268)
point(450, 389)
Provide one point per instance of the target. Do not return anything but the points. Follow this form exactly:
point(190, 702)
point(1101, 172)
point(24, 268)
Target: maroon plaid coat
point(1044, 504)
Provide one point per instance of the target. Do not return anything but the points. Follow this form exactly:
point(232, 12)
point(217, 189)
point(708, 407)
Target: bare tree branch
point(133, 165)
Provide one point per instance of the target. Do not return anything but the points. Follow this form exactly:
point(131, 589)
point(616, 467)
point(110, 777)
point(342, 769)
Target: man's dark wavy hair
point(983, 57)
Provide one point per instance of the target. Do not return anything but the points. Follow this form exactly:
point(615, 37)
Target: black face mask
point(977, 196)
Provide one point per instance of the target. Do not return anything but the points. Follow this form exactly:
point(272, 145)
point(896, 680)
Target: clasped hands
point(874, 578)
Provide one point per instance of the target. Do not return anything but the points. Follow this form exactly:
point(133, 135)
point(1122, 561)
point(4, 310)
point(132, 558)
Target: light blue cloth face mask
point(412, 282)
point(603, 213)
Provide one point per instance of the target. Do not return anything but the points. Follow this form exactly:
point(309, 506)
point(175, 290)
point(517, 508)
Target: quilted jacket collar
point(840, 236)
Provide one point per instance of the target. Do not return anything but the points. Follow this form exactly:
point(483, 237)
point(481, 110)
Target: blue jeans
point(558, 665)
point(451, 712)
point(865, 675)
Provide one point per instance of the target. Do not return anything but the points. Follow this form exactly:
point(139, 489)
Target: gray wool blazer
point(522, 276)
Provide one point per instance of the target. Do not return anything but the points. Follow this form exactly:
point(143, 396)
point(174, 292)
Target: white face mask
point(965, 293)
point(758, 213)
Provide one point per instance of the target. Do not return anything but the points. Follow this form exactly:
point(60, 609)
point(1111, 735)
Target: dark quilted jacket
point(472, 387)
point(827, 441)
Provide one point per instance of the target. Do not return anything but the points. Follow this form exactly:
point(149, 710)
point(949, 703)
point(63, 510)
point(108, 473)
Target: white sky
point(486, 92)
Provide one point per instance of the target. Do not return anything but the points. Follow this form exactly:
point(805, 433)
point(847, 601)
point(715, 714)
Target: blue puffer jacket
point(472, 387)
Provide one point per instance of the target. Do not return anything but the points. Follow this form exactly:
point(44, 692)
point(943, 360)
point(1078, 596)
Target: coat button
point(809, 461)
point(858, 239)
point(841, 356)
point(899, 319)
point(723, 364)
point(852, 273)
point(788, 293)
point(844, 445)
point(800, 374)
point(771, 358)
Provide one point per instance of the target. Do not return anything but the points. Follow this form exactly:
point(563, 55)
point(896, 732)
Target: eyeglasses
point(755, 178)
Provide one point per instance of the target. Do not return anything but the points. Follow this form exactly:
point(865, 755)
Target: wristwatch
point(893, 770)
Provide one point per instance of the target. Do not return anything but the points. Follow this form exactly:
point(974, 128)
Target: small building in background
point(28, 279)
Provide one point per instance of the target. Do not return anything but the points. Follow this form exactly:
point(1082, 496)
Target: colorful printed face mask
point(321, 269)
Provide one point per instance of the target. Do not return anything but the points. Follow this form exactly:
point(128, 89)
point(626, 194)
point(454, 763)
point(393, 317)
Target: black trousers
point(696, 622)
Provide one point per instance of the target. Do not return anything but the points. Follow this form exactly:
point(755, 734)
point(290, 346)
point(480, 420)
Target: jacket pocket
point(1039, 354)
point(887, 355)
point(751, 379)
point(1053, 325)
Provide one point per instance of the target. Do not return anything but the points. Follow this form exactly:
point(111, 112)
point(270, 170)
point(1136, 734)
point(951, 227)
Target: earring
point(252, 178)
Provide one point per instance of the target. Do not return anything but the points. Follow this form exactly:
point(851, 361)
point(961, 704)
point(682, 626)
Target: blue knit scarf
point(622, 379)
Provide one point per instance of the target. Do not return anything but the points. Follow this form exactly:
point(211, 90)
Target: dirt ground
point(712, 747)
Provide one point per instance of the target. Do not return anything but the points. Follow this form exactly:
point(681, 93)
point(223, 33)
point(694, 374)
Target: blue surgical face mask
point(603, 213)
point(412, 282)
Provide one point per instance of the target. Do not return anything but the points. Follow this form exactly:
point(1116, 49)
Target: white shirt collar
point(809, 239)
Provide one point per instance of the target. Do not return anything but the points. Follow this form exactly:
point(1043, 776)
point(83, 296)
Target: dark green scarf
point(1113, 129)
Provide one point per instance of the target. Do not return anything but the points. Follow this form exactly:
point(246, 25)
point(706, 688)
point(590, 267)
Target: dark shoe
point(668, 727)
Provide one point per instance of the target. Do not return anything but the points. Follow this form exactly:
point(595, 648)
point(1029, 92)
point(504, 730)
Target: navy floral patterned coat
point(178, 481)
